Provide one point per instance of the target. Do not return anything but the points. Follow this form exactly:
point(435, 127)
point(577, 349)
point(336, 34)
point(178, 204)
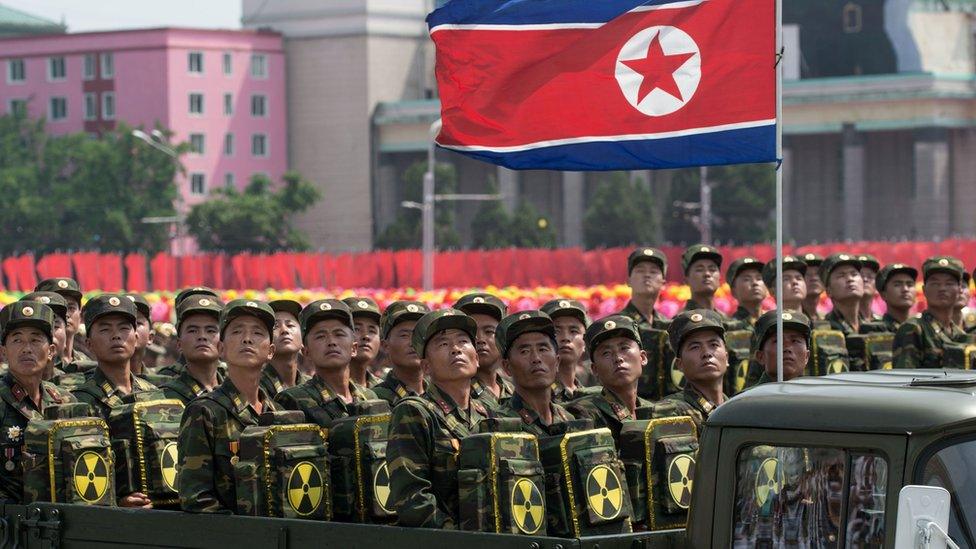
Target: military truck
point(876, 459)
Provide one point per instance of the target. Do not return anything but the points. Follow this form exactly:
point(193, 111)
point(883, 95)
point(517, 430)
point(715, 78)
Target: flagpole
point(779, 189)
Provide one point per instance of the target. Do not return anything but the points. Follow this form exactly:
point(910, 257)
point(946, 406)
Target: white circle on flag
point(675, 44)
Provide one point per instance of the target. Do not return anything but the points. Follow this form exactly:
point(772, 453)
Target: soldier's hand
point(136, 499)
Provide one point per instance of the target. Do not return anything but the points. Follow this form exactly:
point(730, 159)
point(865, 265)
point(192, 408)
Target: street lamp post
point(157, 141)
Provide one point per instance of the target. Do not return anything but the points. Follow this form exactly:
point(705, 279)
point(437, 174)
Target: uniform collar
point(399, 389)
point(634, 313)
point(530, 416)
point(239, 403)
point(105, 384)
point(24, 404)
point(447, 405)
point(328, 393)
point(939, 330)
point(704, 405)
point(617, 406)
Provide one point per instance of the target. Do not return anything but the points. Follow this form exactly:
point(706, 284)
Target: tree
point(406, 232)
point(620, 213)
point(256, 219)
point(493, 227)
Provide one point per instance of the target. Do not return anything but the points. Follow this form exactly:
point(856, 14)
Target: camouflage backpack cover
point(586, 489)
point(873, 350)
point(960, 355)
point(828, 353)
point(69, 461)
point(655, 381)
point(659, 461)
point(360, 475)
point(743, 372)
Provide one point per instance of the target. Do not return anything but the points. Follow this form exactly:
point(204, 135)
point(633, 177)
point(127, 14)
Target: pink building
point(222, 91)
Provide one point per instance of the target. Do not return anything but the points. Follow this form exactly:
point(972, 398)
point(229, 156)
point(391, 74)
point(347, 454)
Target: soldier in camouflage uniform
point(968, 316)
point(646, 269)
point(921, 342)
point(815, 286)
point(488, 386)
point(527, 341)
point(329, 336)
point(173, 370)
point(617, 360)
point(212, 424)
point(283, 371)
point(68, 289)
point(198, 339)
point(144, 337)
point(366, 315)
point(426, 430)
point(57, 304)
point(569, 320)
point(796, 345)
point(794, 282)
point(959, 312)
point(698, 338)
point(26, 337)
point(841, 275)
point(896, 285)
point(744, 276)
point(702, 265)
point(406, 378)
point(869, 273)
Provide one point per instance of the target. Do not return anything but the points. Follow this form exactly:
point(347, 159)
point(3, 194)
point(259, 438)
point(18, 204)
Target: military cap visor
point(198, 304)
point(948, 265)
point(652, 255)
point(832, 262)
point(286, 306)
point(739, 266)
point(699, 252)
point(812, 259)
point(790, 263)
point(325, 309)
point(888, 271)
point(66, 287)
point(526, 322)
point(692, 322)
point(53, 300)
point(26, 314)
point(435, 322)
point(608, 328)
point(363, 307)
point(142, 306)
point(566, 307)
point(196, 290)
point(400, 311)
point(869, 261)
point(766, 327)
point(108, 305)
point(245, 307)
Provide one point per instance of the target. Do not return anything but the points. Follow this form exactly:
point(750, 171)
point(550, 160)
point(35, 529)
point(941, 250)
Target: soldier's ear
point(221, 350)
point(52, 351)
point(643, 356)
point(506, 368)
point(271, 351)
point(425, 366)
point(761, 357)
point(354, 350)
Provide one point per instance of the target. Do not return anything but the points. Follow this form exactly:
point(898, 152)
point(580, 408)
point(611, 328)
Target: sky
point(92, 15)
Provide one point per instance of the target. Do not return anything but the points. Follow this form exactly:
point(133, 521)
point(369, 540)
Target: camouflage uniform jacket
point(887, 323)
point(657, 322)
point(839, 323)
point(272, 384)
point(16, 409)
point(99, 393)
point(185, 387)
point(691, 305)
point(425, 437)
point(484, 395)
point(741, 319)
point(562, 395)
point(391, 389)
point(531, 422)
point(372, 380)
point(692, 403)
point(606, 409)
point(920, 342)
point(319, 402)
point(208, 443)
point(179, 367)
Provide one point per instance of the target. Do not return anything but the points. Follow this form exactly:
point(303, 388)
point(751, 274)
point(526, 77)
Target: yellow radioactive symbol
point(305, 488)
point(528, 509)
point(681, 475)
point(677, 376)
point(769, 480)
point(91, 476)
point(886, 366)
point(167, 464)
point(381, 487)
point(837, 366)
point(603, 492)
point(741, 375)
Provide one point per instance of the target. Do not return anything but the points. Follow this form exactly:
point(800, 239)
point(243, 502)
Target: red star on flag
point(658, 70)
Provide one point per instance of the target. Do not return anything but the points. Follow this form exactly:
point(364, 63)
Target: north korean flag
point(607, 84)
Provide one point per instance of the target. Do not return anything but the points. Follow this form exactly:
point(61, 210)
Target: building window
point(259, 105)
point(58, 108)
point(196, 103)
point(108, 105)
point(91, 106)
point(229, 181)
point(259, 145)
point(56, 69)
point(16, 71)
point(229, 145)
point(196, 143)
point(228, 64)
point(228, 104)
point(195, 59)
point(107, 64)
point(17, 107)
point(197, 184)
point(259, 65)
point(89, 72)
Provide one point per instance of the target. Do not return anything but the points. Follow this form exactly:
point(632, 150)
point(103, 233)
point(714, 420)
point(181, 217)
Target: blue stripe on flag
point(533, 12)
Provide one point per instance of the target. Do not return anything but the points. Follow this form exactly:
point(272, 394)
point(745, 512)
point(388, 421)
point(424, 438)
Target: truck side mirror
point(923, 518)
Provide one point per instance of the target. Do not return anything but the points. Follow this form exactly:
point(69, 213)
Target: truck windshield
point(954, 468)
point(795, 497)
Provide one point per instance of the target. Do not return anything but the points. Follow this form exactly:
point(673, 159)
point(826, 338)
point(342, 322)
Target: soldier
point(283, 371)
point(144, 336)
point(969, 316)
point(841, 275)
point(617, 360)
point(701, 265)
point(745, 279)
point(366, 315)
point(698, 338)
point(176, 368)
point(527, 341)
point(27, 343)
point(57, 304)
point(896, 285)
point(959, 315)
point(569, 321)
point(646, 269)
point(488, 386)
point(69, 290)
point(921, 342)
point(329, 336)
point(212, 424)
point(815, 286)
point(425, 430)
point(198, 339)
point(869, 272)
point(396, 328)
point(796, 345)
point(794, 282)
point(196, 290)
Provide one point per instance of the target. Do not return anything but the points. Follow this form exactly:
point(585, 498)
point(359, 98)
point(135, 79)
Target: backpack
point(828, 353)
point(959, 355)
point(144, 433)
point(69, 461)
point(743, 372)
point(655, 382)
point(360, 475)
point(874, 350)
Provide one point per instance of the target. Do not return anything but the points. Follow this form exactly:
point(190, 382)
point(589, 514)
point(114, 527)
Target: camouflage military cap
point(438, 321)
point(566, 307)
point(889, 270)
point(363, 306)
point(26, 313)
point(766, 326)
point(482, 303)
point(521, 323)
point(247, 307)
point(652, 255)
point(198, 304)
point(812, 259)
point(609, 327)
point(740, 265)
point(833, 261)
point(689, 322)
point(869, 261)
point(68, 287)
point(399, 311)
point(942, 264)
point(108, 304)
point(142, 306)
point(53, 300)
point(286, 306)
point(196, 290)
point(699, 251)
point(790, 263)
point(324, 309)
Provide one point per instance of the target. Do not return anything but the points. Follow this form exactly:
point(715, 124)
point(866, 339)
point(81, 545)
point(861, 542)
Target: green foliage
point(406, 232)
point(254, 220)
point(79, 192)
point(620, 213)
point(493, 227)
